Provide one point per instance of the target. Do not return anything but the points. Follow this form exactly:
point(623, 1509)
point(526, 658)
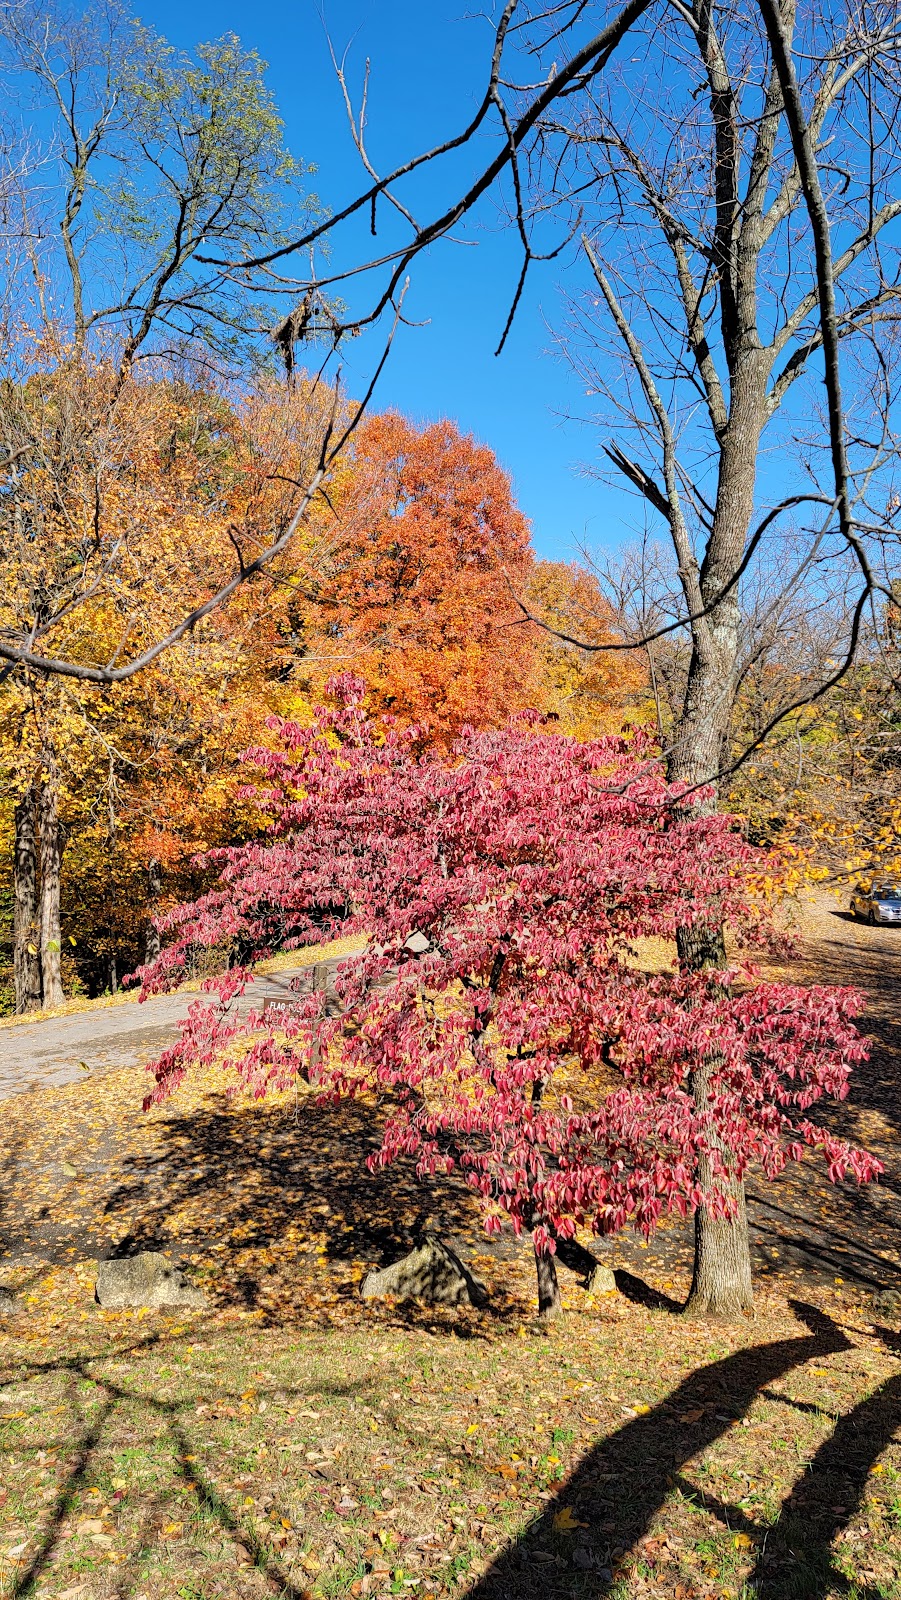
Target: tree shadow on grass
point(171, 1416)
point(622, 1483)
point(641, 1294)
point(798, 1558)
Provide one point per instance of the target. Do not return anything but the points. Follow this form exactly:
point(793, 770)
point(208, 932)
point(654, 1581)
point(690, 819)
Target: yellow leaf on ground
point(743, 1541)
point(565, 1522)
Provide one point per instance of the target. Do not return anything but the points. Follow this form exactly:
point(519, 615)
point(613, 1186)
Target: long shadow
point(75, 1478)
point(820, 1244)
point(621, 1484)
point(205, 1491)
point(850, 1231)
point(875, 967)
point(798, 1557)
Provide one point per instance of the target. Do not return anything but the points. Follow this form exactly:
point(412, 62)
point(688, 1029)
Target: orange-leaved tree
point(129, 499)
point(418, 591)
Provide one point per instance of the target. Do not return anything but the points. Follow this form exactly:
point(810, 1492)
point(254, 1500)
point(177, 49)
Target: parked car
point(881, 903)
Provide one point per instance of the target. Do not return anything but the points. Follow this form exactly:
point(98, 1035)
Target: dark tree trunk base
point(549, 1303)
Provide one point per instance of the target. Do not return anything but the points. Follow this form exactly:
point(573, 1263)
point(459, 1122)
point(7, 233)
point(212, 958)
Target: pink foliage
point(498, 1002)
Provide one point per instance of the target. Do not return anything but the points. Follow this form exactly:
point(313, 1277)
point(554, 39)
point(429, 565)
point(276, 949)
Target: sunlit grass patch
point(621, 1453)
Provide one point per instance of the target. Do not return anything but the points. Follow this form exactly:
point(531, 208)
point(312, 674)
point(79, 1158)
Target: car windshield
point(887, 891)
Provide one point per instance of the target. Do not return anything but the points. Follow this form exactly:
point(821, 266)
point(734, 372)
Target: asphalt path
point(54, 1050)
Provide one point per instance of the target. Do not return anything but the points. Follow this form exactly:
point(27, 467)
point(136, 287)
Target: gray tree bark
point(721, 1282)
point(549, 1303)
point(26, 951)
point(50, 836)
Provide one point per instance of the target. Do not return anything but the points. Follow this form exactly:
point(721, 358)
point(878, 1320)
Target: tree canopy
point(503, 891)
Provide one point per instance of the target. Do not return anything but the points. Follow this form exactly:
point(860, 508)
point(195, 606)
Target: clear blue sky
point(428, 62)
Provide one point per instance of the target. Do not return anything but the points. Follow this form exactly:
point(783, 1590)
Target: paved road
point(34, 1055)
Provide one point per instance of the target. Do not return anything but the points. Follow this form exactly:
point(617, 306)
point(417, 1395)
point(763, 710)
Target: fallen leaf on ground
point(565, 1522)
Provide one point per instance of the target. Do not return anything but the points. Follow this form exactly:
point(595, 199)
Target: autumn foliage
point(417, 592)
point(130, 498)
point(502, 890)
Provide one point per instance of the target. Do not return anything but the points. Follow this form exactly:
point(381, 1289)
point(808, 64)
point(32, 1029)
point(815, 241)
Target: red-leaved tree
point(499, 1001)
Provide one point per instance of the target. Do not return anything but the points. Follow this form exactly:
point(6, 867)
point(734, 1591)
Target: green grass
point(221, 1457)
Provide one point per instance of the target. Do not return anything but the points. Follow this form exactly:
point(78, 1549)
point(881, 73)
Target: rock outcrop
point(148, 1279)
point(432, 1272)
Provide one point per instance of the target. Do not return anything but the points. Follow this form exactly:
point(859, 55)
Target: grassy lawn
point(295, 1440)
point(373, 1451)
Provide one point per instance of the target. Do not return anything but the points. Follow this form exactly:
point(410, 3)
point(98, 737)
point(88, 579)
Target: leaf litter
point(295, 1439)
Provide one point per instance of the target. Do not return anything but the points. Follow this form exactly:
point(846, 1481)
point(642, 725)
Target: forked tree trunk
point(26, 937)
point(50, 835)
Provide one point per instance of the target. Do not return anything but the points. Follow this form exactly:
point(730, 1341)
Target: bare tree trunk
point(549, 1302)
point(50, 834)
point(721, 1283)
point(26, 954)
point(721, 1280)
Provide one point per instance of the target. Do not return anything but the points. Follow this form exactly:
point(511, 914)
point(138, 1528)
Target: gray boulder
point(601, 1280)
point(147, 1279)
point(432, 1272)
